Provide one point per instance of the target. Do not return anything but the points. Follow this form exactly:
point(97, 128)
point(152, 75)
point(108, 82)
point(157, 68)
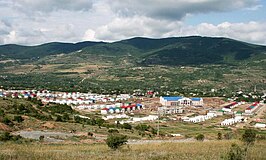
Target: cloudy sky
point(31, 22)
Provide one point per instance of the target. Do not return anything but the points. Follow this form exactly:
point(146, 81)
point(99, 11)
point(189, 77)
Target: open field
point(188, 151)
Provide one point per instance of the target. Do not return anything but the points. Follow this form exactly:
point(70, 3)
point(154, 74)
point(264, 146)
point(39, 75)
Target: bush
point(219, 136)
point(249, 136)
point(19, 119)
point(59, 118)
point(65, 117)
point(235, 153)
point(5, 136)
point(114, 141)
point(228, 135)
point(126, 126)
point(90, 134)
point(200, 137)
point(41, 138)
point(113, 131)
point(142, 127)
point(7, 121)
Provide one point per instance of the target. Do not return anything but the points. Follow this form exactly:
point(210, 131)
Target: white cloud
point(253, 32)
point(122, 28)
point(39, 21)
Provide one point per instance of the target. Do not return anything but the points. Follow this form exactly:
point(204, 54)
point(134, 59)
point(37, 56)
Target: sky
point(32, 22)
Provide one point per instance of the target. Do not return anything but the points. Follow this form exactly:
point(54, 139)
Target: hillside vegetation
point(179, 63)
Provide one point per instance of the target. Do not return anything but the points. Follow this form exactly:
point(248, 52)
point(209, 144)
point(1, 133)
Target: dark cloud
point(52, 5)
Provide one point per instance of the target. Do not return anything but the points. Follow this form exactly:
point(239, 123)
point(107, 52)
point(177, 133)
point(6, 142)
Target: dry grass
point(189, 150)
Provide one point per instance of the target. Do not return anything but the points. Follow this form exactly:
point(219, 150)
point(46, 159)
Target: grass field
point(185, 150)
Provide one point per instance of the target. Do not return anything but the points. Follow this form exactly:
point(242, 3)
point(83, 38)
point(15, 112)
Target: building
point(181, 101)
point(170, 110)
point(252, 108)
point(260, 125)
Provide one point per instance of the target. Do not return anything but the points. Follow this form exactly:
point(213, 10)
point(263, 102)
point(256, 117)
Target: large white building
point(181, 101)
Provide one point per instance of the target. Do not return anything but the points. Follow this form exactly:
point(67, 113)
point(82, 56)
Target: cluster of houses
point(76, 98)
point(231, 121)
point(200, 118)
point(180, 101)
point(121, 108)
point(252, 108)
point(18, 93)
point(69, 98)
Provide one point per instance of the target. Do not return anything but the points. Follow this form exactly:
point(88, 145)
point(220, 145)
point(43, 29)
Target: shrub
point(58, 118)
point(114, 141)
point(200, 137)
point(126, 126)
point(219, 136)
point(235, 153)
point(90, 134)
point(113, 131)
point(5, 136)
point(41, 138)
point(142, 127)
point(249, 136)
point(7, 121)
point(65, 117)
point(228, 135)
point(19, 119)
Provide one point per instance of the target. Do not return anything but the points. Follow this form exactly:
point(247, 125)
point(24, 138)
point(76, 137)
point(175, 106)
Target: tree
point(200, 137)
point(249, 136)
point(114, 141)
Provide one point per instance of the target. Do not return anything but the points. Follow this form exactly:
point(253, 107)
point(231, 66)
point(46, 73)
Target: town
point(137, 109)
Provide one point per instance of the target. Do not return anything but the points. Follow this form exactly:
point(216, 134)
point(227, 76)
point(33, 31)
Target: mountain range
point(192, 50)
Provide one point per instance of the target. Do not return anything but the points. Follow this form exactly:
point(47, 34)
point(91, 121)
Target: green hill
point(32, 52)
point(194, 50)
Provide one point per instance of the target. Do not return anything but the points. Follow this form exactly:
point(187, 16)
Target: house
point(220, 112)
point(260, 125)
point(104, 111)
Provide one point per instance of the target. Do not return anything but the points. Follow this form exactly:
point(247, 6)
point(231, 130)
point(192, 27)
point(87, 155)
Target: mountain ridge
point(163, 51)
